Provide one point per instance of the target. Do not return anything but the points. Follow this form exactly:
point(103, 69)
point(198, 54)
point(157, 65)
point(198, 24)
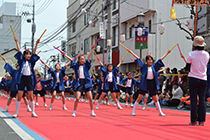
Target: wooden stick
point(42, 34)
point(96, 55)
point(76, 56)
point(1, 56)
point(179, 49)
point(12, 31)
point(38, 52)
point(96, 42)
point(121, 85)
point(125, 47)
point(41, 60)
point(59, 50)
point(174, 46)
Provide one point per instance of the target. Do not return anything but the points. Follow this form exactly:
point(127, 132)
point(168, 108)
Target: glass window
point(86, 45)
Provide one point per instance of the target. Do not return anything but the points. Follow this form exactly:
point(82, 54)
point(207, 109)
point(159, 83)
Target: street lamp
point(140, 18)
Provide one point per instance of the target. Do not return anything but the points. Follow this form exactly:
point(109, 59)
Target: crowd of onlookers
point(173, 88)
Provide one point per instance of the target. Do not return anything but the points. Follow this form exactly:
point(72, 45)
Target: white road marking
point(16, 128)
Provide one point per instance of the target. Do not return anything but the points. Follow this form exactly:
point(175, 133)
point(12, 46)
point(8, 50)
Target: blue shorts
point(57, 88)
point(151, 88)
point(14, 93)
point(128, 90)
point(26, 81)
point(82, 88)
point(41, 92)
point(110, 87)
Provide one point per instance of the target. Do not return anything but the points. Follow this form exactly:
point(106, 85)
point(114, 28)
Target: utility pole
point(119, 24)
point(109, 30)
point(104, 40)
point(33, 27)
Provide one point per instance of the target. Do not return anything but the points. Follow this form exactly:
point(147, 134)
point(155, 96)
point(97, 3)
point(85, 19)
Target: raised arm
point(3, 58)
point(68, 57)
point(184, 58)
point(18, 47)
point(90, 55)
point(68, 64)
point(165, 55)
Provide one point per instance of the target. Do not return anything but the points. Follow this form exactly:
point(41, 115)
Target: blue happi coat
point(114, 77)
point(22, 62)
point(133, 82)
point(144, 70)
point(61, 75)
point(86, 68)
point(13, 73)
point(65, 84)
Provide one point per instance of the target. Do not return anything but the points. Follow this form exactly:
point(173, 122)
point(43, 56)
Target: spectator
point(177, 95)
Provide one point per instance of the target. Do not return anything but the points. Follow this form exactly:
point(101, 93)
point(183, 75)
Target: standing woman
point(149, 79)
point(26, 76)
point(197, 64)
point(83, 80)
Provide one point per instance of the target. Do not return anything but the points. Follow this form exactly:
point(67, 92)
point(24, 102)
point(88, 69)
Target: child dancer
point(146, 94)
point(149, 79)
point(26, 75)
point(40, 88)
point(110, 81)
point(83, 80)
point(58, 84)
point(129, 82)
point(67, 84)
point(14, 87)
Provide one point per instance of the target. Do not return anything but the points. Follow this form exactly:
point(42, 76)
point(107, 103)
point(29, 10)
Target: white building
point(8, 17)
point(9, 55)
point(81, 38)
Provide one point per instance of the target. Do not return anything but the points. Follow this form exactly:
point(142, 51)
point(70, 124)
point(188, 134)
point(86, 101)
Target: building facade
point(82, 36)
point(8, 17)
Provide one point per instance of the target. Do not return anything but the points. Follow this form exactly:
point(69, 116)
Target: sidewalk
point(13, 129)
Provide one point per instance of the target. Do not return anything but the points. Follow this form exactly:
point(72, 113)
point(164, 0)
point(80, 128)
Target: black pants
point(173, 102)
point(197, 87)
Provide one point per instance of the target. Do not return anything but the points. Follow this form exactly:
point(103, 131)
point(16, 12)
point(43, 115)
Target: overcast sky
point(51, 18)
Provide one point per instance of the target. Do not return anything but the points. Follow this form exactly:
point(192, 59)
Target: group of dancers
point(24, 80)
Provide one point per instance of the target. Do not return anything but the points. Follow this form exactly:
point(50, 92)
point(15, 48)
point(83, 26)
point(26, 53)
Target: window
point(11, 21)
point(86, 45)
point(113, 36)
point(131, 31)
point(74, 26)
point(150, 26)
point(113, 4)
point(86, 19)
point(74, 50)
point(1, 20)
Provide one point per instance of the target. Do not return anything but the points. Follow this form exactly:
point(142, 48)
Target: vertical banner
point(102, 30)
point(63, 48)
point(141, 41)
point(109, 56)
